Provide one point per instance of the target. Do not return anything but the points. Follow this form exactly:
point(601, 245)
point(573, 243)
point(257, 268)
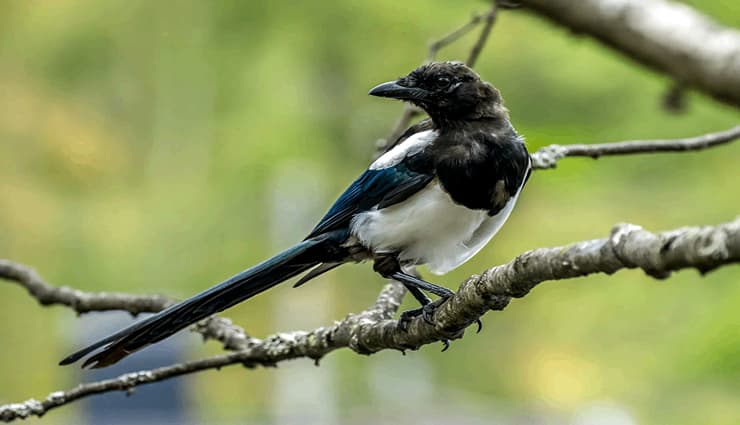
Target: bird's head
point(447, 91)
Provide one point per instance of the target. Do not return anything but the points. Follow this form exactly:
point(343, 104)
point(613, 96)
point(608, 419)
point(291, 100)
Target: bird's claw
point(406, 318)
point(427, 311)
point(427, 314)
point(408, 315)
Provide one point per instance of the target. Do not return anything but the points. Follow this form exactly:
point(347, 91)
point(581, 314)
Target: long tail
point(238, 288)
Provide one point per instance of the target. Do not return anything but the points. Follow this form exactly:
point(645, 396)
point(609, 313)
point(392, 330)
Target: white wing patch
point(411, 146)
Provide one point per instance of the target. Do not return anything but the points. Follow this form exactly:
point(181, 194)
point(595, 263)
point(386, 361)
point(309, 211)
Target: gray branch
point(666, 36)
point(79, 301)
point(629, 246)
point(548, 156)
point(221, 329)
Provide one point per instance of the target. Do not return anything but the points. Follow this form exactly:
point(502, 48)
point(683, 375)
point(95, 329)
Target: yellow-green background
point(142, 143)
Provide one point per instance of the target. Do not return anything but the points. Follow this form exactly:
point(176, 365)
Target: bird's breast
point(428, 228)
point(483, 175)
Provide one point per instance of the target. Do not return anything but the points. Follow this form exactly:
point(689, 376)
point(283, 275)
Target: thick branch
point(629, 246)
point(548, 156)
point(669, 37)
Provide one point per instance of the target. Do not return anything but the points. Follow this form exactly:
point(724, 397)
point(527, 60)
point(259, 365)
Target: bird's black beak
point(396, 90)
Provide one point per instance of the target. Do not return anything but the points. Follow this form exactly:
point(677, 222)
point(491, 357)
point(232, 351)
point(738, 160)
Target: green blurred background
point(158, 147)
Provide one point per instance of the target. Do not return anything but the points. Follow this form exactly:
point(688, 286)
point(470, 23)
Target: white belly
point(429, 228)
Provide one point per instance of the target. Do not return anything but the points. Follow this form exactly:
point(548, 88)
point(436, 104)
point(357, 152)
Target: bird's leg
point(387, 265)
point(406, 316)
point(427, 310)
point(413, 284)
point(410, 280)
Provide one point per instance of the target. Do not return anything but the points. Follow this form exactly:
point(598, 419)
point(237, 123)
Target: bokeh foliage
point(141, 143)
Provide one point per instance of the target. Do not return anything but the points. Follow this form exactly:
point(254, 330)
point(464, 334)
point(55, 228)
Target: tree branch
point(79, 301)
point(221, 329)
point(669, 37)
point(548, 156)
point(629, 246)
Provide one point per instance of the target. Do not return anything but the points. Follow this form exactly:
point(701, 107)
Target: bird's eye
point(443, 82)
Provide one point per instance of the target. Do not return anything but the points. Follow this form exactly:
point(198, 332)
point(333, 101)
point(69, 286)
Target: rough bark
point(629, 246)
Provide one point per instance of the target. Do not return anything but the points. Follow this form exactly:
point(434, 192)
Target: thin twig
point(489, 19)
point(79, 301)
point(548, 156)
point(231, 336)
point(453, 36)
point(629, 246)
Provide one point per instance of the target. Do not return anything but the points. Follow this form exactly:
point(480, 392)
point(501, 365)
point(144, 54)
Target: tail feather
point(234, 290)
point(317, 271)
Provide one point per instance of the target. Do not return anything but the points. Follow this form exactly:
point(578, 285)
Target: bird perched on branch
point(436, 197)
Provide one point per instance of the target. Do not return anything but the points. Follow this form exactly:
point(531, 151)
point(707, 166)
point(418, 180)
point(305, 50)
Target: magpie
point(435, 198)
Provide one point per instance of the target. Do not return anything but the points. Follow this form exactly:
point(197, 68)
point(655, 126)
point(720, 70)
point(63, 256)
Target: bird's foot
point(406, 317)
point(427, 311)
point(427, 314)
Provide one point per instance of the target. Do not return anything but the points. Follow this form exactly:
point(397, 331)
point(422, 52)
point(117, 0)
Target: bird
point(436, 197)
